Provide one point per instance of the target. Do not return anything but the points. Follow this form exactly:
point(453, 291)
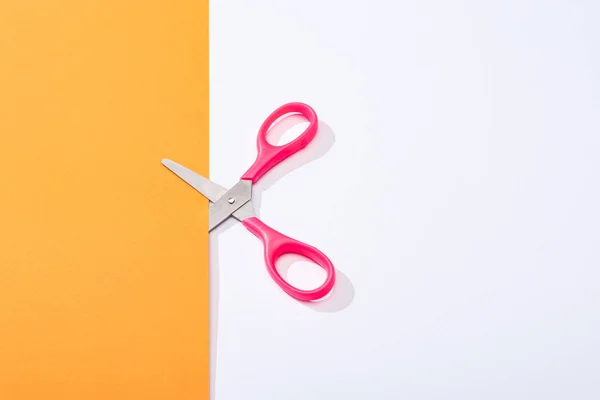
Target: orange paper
point(103, 251)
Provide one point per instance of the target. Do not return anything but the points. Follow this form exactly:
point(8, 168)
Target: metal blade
point(242, 207)
point(212, 191)
point(235, 198)
point(246, 211)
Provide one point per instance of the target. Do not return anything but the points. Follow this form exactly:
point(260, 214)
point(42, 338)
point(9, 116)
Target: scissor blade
point(212, 191)
point(229, 203)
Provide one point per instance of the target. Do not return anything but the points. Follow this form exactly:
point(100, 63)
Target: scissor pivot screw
point(231, 200)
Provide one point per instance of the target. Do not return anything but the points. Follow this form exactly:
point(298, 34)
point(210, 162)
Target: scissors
point(236, 202)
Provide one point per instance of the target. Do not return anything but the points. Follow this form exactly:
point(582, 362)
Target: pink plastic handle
point(269, 155)
point(276, 245)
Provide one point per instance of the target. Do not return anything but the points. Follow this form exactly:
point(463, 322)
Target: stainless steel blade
point(231, 201)
point(213, 192)
point(246, 211)
point(209, 189)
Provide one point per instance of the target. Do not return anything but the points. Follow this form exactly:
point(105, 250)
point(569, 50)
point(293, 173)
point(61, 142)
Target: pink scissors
point(237, 201)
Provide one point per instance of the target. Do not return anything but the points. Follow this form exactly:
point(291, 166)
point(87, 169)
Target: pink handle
point(276, 245)
point(268, 155)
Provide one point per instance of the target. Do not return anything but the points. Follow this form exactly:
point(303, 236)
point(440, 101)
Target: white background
point(454, 183)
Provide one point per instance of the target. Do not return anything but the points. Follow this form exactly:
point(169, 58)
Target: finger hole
point(286, 128)
point(300, 272)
